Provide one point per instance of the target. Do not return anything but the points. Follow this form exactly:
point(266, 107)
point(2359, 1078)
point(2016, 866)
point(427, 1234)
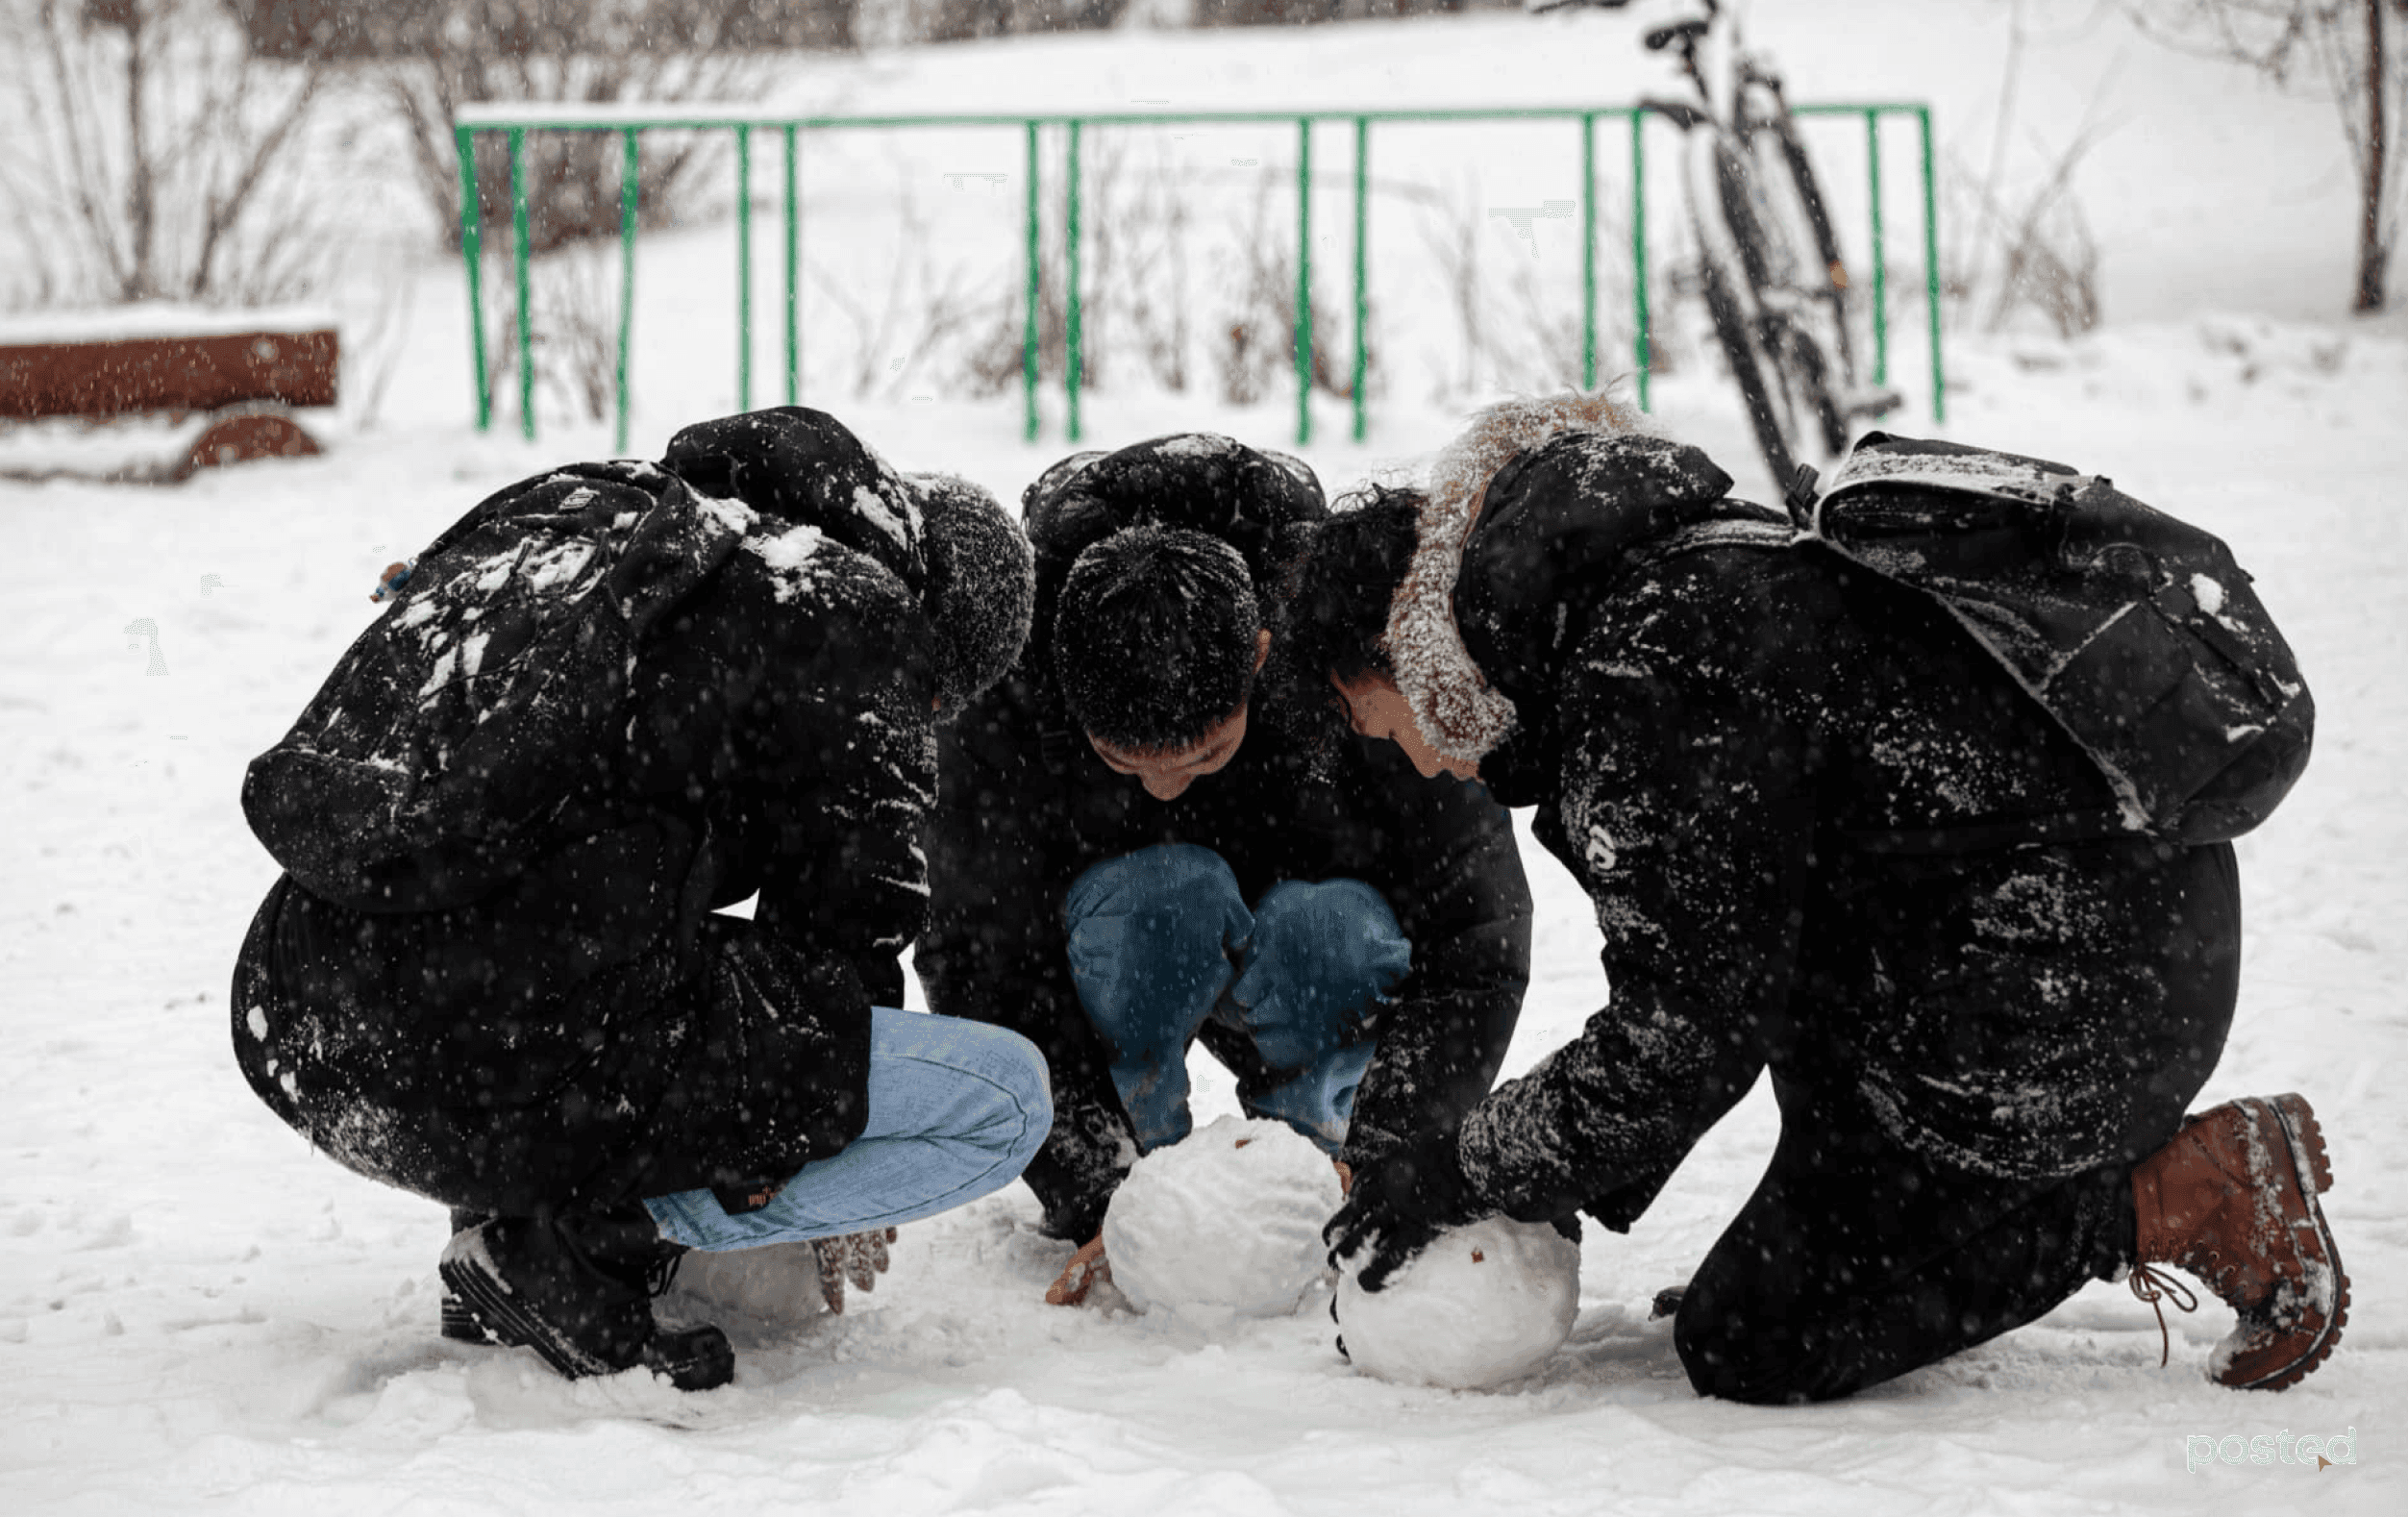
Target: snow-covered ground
point(196, 1313)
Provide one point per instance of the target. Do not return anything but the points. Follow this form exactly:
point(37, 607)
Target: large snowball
point(1226, 1224)
point(1482, 1304)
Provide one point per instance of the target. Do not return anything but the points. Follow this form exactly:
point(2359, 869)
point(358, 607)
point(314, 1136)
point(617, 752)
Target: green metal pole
point(526, 284)
point(1028, 309)
point(472, 253)
point(1303, 280)
point(1881, 267)
point(1070, 254)
point(628, 183)
point(1931, 264)
point(1588, 251)
point(1362, 271)
point(794, 270)
point(1638, 250)
point(743, 266)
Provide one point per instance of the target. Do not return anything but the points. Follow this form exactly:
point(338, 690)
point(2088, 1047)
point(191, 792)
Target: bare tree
point(447, 54)
point(2348, 48)
point(142, 154)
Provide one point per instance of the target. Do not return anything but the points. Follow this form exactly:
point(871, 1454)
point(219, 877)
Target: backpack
point(452, 740)
point(2137, 632)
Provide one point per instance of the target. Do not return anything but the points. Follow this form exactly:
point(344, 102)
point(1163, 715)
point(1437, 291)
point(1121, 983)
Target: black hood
point(1558, 524)
point(1199, 481)
point(806, 467)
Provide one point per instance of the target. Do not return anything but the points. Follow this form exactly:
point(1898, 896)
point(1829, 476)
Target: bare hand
point(1086, 1268)
point(1346, 1176)
point(856, 1257)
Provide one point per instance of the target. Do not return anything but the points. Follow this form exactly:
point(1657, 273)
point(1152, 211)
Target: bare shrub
point(1518, 331)
point(143, 156)
point(904, 328)
point(2355, 52)
point(432, 58)
point(1255, 346)
point(2047, 259)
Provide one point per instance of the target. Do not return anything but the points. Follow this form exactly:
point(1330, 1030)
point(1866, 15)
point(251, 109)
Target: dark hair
point(1154, 641)
point(1335, 617)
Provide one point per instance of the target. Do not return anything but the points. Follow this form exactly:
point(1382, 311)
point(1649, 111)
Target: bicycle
point(1774, 284)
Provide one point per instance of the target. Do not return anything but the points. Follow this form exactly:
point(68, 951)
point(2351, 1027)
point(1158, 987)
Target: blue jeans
point(957, 1111)
point(1161, 940)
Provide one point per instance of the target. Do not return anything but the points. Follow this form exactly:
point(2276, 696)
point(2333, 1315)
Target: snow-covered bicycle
point(1774, 284)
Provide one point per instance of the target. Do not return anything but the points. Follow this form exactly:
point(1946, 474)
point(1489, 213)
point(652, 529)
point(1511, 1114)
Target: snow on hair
point(1154, 639)
point(1452, 700)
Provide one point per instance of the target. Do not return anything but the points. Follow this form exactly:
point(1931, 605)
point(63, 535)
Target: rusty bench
point(248, 378)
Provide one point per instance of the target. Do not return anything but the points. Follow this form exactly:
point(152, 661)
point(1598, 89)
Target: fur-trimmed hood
point(1518, 515)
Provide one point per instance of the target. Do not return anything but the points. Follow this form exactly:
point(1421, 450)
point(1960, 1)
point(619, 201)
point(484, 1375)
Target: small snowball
point(1226, 1224)
point(776, 1282)
point(1482, 1304)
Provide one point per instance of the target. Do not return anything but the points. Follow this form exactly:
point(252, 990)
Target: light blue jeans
point(957, 1111)
point(1161, 940)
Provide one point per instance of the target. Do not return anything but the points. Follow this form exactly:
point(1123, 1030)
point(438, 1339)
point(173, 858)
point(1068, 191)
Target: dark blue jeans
point(1161, 940)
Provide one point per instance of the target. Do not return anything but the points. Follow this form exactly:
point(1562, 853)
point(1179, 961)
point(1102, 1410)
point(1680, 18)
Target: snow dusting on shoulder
point(897, 518)
point(789, 556)
point(1198, 445)
point(735, 515)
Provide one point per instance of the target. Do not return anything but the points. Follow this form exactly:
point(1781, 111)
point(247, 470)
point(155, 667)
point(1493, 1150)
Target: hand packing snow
point(1482, 1304)
point(1224, 1224)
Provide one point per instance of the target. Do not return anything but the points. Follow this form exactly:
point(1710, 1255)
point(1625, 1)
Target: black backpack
point(457, 732)
point(2137, 632)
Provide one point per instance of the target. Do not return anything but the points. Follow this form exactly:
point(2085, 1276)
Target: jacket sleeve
point(1443, 855)
point(996, 949)
point(1686, 808)
point(842, 721)
point(803, 723)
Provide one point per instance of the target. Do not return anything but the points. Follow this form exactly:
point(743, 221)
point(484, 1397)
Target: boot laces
point(2158, 1287)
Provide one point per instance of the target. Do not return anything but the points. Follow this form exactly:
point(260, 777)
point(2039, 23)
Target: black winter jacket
point(1025, 807)
point(585, 1029)
point(1732, 737)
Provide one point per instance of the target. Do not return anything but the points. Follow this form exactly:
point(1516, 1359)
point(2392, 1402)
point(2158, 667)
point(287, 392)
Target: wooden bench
point(243, 370)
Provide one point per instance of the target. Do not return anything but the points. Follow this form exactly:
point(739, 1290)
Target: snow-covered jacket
point(1780, 777)
point(1025, 807)
point(563, 1021)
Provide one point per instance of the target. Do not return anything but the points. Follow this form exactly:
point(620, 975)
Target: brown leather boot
point(2232, 1201)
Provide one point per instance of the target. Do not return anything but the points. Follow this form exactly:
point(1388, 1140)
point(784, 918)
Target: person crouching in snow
point(1827, 833)
point(607, 704)
point(1132, 854)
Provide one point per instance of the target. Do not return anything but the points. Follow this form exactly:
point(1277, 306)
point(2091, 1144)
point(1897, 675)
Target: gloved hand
point(856, 1257)
point(1086, 1270)
point(1395, 1210)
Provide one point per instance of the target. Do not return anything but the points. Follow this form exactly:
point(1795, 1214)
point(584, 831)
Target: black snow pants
point(1859, 1258)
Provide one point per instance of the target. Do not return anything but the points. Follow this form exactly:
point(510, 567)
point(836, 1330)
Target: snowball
point(1226, 1224)
point(776, 1282)
point(1482, 1304)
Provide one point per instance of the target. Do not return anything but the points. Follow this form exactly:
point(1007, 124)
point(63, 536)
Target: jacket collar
point(1458, 709)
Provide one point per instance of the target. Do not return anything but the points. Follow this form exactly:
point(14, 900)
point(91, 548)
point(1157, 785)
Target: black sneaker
point(578, 1290)
point(454, 1319)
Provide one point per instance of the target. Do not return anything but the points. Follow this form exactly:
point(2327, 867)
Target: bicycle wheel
point(1794, 214)
point(1778, 363)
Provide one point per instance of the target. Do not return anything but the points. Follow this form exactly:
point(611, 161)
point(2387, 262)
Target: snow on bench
point(239, 371)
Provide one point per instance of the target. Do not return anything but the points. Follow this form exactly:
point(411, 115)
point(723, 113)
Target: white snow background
point(198, 1314)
